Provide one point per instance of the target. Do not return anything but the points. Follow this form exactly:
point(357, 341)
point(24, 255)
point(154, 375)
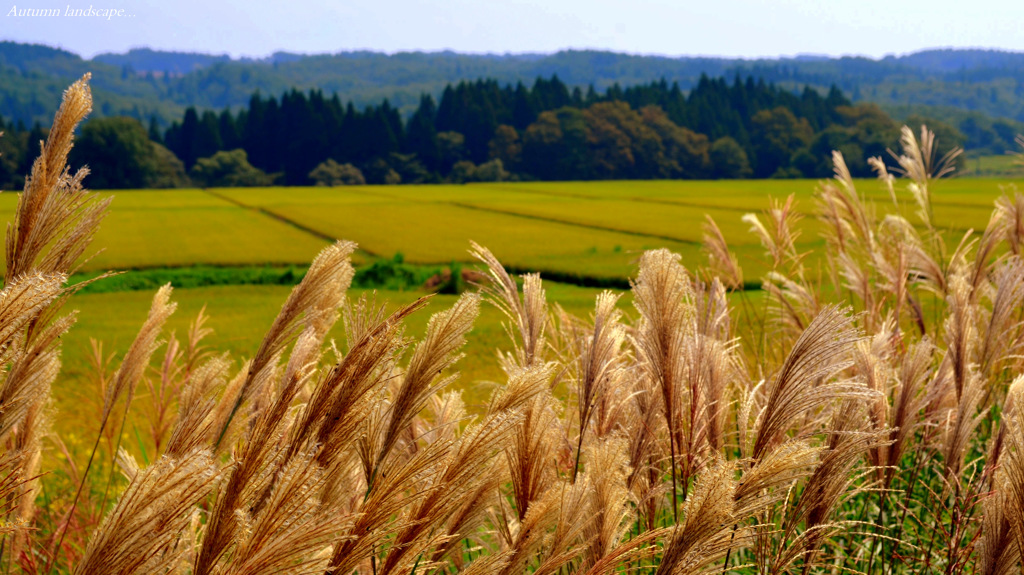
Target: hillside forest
point(487, 131)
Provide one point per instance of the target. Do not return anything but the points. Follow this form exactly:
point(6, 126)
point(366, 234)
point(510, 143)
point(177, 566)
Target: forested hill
point(994, 81)
point(487, 131)
point(968, 88)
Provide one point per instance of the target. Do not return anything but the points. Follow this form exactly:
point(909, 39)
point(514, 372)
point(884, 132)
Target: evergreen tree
point(524, 108)
point(154, 131)
point(182, 139)
point(208, 140)
point(230, 136)
point(421, 134)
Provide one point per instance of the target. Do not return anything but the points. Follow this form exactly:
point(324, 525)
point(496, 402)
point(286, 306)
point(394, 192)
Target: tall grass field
point(746, 377)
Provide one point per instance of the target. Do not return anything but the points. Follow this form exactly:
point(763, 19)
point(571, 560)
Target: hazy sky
point(684, 27)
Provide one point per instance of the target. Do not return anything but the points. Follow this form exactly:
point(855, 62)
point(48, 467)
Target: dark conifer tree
point(524, 107)
point(208, 141)
point(154, 131)
point(181, 139)
point(230, 136)
point(421, 135)
point(252, 130)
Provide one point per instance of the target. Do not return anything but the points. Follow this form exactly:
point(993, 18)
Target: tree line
point(979, 92)
point(486, 131)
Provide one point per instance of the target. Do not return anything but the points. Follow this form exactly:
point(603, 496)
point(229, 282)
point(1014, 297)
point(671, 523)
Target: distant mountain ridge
point(932, 60)
point(949, 83)
point(953, 60)
point(146, 60)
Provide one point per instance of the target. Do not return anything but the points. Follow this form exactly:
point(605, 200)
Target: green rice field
point(587, 229)
point(564, 229)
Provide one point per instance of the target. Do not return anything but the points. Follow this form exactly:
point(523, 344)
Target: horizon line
point(538, 54)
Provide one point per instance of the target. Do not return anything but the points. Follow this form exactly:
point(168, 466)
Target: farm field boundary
point(378, 274)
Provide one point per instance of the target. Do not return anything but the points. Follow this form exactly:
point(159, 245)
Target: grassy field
point(1000, 165)
point(158, 228)
point(564, 229)
point(239, 316)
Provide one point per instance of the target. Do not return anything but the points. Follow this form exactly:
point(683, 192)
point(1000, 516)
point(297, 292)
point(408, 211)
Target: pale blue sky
point(705, 27)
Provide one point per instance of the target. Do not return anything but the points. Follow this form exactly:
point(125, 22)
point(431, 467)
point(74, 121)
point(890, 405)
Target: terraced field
point(581, 229)
point(574, 231)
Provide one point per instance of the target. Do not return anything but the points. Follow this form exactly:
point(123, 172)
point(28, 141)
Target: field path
point(268, 213)
point(638, 199)
point(949, 223)
point(572, 223)
point(316, 233)
point(513, 213)
point(938, 202)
